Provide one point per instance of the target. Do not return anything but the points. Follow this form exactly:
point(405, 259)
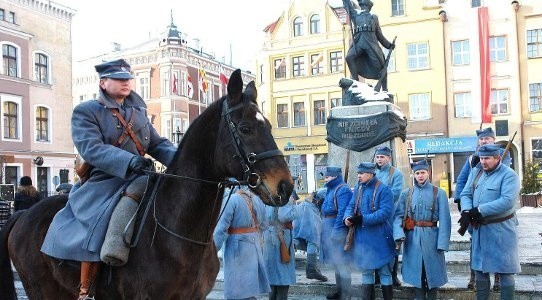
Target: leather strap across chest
point(127, 130)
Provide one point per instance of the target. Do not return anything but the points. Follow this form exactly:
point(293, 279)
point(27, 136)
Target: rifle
point(507, 149)
point(347, 165)
point(384, 71)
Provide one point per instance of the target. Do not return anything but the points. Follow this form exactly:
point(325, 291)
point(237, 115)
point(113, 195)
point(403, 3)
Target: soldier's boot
point(432, 294)
point(396, 281)
point(507, 292)
point(89, 269)
point(497, 283)
point(282, 292)
point(367, 291)
point(482, 290)
point(472, 281)
point(273, 292)
point(346, 287)
point(337, 293)
point(387, 292)
point(377, 278)
point(312, 271)
point(419, 293)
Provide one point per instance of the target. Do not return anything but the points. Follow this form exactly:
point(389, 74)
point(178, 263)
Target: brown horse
point(175, 257)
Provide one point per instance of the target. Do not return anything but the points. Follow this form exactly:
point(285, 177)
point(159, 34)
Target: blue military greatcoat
point(424, 244)
point(333, 229)
point(244, 267)
point(279, 219)
point(495, 245)
point(78, 230)
point(395, 183)
point(373, 239)
point(307, 225)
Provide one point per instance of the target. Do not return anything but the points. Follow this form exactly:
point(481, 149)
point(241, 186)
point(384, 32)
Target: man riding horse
point(112, 134)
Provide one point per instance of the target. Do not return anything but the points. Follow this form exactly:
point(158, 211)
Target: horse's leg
point(7, 285)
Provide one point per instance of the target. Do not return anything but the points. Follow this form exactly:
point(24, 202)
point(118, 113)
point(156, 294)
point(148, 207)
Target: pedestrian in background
point(278, 248)
point(393, 178)
point(369, 212)
point(238, 235)
point(423, 226)
point(485, 136)
point(307, 230)
point(334, 231)
point(488, 204)
point(26, 194)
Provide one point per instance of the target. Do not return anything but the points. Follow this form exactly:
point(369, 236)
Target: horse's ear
point(251, 91)
point(235, 87)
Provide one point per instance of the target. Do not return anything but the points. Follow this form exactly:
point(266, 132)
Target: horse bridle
point(246, 158)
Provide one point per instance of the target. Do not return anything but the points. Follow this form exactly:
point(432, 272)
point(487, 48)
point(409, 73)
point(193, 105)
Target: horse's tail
point(7, 284)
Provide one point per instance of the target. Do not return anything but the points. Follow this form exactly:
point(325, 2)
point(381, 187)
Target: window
point(460, 53)
point(42, 175)
point(299, 114)
point(315, 24)
point(536, 148)
point(535, 97)
point(497, 48)
point(391, 63)
point(142, 85)
point(335, 102)
point(2, 14)
point(316, 65)
point(319, 112)
point(282, 115)
point(534, 43)
point(476, 3)
point(418, 56)
point(9, 59)
point(336, 61)
point(419, 106)
point(397, 8)
point(298, 66)
point(11, 120)
point(462, 105)
point(298, 26)
point(165, 83)
point(280, 68)
point(42, 124)
point(41, 68)
point(499, 102)
point(10, 17)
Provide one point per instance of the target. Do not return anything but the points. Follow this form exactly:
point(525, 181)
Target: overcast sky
point(217, 23)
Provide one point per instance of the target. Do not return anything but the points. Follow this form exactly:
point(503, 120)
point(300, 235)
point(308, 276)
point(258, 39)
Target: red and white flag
point(189, 86)
point(174, 89)
point(485, 86)
point(223, 79)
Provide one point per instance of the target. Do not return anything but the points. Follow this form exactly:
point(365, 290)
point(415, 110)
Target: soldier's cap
point(489, 150)
point(333, 171)
point(486, 132)
point(419, 165)
point(117, 69)
point(366, 167)
point(383, 151)
point(367, 3)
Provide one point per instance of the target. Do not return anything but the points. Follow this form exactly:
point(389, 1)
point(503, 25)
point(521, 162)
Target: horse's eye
point(245, 129)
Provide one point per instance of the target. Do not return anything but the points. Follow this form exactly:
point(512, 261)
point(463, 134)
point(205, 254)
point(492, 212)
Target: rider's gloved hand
point(138, 164)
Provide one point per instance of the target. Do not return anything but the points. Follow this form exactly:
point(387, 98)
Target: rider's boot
point(89, 269)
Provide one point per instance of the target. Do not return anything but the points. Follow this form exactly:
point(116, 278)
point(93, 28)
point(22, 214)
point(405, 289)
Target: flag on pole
point(223, 79)
point(189, 86)
point(202, 81)
point(280, 63)
point(318, 59)
point(485, 87)
point(174, 89)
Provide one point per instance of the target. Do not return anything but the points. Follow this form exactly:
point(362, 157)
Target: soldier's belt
point(241, 230)
point(331, 216)
point(496, 220)
point(425, 224)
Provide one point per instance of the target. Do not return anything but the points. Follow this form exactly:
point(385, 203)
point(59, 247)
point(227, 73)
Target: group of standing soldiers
point(368, 225)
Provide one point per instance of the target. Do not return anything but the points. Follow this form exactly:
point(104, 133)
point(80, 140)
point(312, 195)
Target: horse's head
point(250, 152)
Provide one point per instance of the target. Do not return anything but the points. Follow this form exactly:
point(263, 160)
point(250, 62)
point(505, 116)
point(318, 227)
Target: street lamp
point(178, 136)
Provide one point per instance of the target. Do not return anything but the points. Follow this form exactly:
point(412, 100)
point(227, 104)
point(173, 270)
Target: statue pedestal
point(337, 156)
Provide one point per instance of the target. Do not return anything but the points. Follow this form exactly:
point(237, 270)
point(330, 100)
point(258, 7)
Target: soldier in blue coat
point(488, 204)
point(238, 235)
point(393, 178)
point(307, 230)
point(370, 210)
point(485, 136)
point(334, 231)
point(426, 236)
point(77, 231)
point(277, 234)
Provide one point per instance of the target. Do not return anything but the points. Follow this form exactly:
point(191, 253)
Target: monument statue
point(365, 57)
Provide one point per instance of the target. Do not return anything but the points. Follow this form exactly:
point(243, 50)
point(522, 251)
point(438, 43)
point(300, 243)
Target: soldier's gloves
point(459, 205)
point(138, 164)
point(356, 220)
point(465, 219)
point(475, 214)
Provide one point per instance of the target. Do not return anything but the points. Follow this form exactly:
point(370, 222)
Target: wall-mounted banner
point(362, 133)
